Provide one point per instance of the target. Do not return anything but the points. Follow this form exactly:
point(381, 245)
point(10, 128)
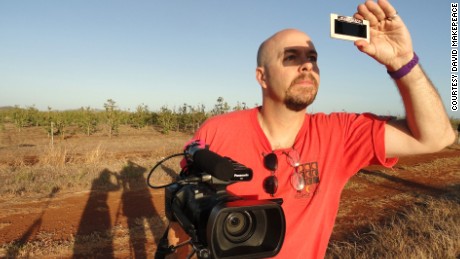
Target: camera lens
point(239, 226)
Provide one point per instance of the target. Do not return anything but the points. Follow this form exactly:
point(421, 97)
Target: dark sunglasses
point(271, 163)
point(271, 182)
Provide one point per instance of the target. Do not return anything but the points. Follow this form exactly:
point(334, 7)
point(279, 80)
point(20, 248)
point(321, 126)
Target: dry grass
point(119, 240)
point(42, 247)
point(433, 166)
point(417, 212)
point(30, 166)
point(428, 229)
point(35, 167)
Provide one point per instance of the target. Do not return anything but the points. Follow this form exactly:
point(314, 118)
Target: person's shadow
point(136, 205)
point(138, 208)
point(95, 219)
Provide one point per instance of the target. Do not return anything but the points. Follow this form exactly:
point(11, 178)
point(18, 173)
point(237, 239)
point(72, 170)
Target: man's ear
point(261, 77)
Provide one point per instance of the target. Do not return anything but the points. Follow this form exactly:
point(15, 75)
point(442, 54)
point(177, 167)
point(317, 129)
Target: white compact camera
point(349, 28)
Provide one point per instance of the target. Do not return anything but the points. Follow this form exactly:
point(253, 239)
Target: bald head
point(287, 70)
point(278, 40)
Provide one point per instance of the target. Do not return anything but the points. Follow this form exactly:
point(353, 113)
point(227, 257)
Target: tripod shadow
point(95, 221)
point(139, 210)
point(13, 251)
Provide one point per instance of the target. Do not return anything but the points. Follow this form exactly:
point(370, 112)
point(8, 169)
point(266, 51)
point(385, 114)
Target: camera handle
point(190, 229)
point(165, 249)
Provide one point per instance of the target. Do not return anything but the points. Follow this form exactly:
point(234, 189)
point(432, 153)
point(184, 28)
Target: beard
point(298, 98)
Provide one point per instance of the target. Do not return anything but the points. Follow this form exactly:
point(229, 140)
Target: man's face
point(290, 69)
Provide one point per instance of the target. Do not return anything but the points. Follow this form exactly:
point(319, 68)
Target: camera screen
point(352, 29)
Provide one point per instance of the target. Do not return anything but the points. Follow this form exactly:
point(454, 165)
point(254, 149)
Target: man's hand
point(426, 127)
point(390, 41)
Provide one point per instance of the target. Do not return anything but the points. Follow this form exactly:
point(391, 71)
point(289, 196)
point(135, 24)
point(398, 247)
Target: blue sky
point(72, 54)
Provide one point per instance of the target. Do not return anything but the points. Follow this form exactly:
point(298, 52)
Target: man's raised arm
point(426, 127)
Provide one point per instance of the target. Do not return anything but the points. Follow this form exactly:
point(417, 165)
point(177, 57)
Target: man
point(306, 159)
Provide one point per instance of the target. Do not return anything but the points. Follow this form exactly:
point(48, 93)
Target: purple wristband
point(404, 70)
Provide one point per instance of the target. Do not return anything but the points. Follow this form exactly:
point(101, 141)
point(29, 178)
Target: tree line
point(86, 120)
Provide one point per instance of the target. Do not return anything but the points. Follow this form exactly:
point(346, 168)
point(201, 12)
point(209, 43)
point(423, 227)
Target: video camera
point(219, 224)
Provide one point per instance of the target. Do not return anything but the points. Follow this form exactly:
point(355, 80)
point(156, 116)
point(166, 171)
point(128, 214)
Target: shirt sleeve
point(365, 141)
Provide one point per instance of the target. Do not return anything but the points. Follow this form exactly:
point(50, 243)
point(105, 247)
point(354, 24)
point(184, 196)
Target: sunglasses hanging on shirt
point(271, 182)
point(297, 180)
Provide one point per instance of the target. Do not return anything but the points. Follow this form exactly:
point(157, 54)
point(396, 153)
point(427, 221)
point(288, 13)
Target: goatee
point(299, 98)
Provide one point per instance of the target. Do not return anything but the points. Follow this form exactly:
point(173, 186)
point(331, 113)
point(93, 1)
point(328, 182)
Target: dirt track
point(135, 219)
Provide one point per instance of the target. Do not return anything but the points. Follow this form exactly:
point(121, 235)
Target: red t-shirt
point(332, 148)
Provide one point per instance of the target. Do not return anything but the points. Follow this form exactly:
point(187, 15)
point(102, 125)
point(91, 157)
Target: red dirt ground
point(65, 215)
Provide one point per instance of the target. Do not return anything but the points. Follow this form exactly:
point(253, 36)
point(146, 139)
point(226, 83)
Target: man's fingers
point(358, 16)
point(363, 46)
point(387, 8)
point(367, 14)
point(376, 10)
